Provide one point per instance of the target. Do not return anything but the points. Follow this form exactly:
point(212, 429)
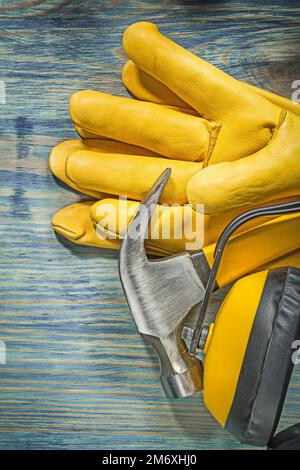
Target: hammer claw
point(134, 239)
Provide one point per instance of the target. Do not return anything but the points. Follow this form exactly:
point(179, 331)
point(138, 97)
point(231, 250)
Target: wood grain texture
point(77, 374)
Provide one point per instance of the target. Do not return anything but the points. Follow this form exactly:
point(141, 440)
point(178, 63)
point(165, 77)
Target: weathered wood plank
point(77, 374)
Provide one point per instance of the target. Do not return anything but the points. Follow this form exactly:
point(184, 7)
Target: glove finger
point(59, 156)
point(157, 128)
point(280, 101)
point(117, 174)
point(203, 86)
point(144, 87)
point(176, 227)
point(58, 160)
point(74, 223)
point(248, 120)
point(172, 228)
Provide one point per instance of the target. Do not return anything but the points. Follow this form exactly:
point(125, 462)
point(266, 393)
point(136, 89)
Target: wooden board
point(77, 375)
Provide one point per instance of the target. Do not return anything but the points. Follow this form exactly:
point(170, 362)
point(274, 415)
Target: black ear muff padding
point(267, 364)
point(288, 439)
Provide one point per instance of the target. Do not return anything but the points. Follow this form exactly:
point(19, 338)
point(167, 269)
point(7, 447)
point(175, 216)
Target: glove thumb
point(242, 184)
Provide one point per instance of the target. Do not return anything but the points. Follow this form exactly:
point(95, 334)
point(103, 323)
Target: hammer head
point(160, 294)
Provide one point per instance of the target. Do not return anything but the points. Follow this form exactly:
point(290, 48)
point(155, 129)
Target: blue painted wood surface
point(77, 374)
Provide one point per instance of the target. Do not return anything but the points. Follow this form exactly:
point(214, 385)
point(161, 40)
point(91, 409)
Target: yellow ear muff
point(227, 346)
point(248, 362)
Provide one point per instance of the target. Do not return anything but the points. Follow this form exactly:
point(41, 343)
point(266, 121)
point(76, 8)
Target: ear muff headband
point(279, 209)
point(258, 400)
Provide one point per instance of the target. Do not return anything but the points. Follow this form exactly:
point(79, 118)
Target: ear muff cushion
point(267, 364)
point(288, 439)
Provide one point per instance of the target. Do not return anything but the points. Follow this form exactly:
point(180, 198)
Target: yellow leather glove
point(241, 152)
point(256, 156)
